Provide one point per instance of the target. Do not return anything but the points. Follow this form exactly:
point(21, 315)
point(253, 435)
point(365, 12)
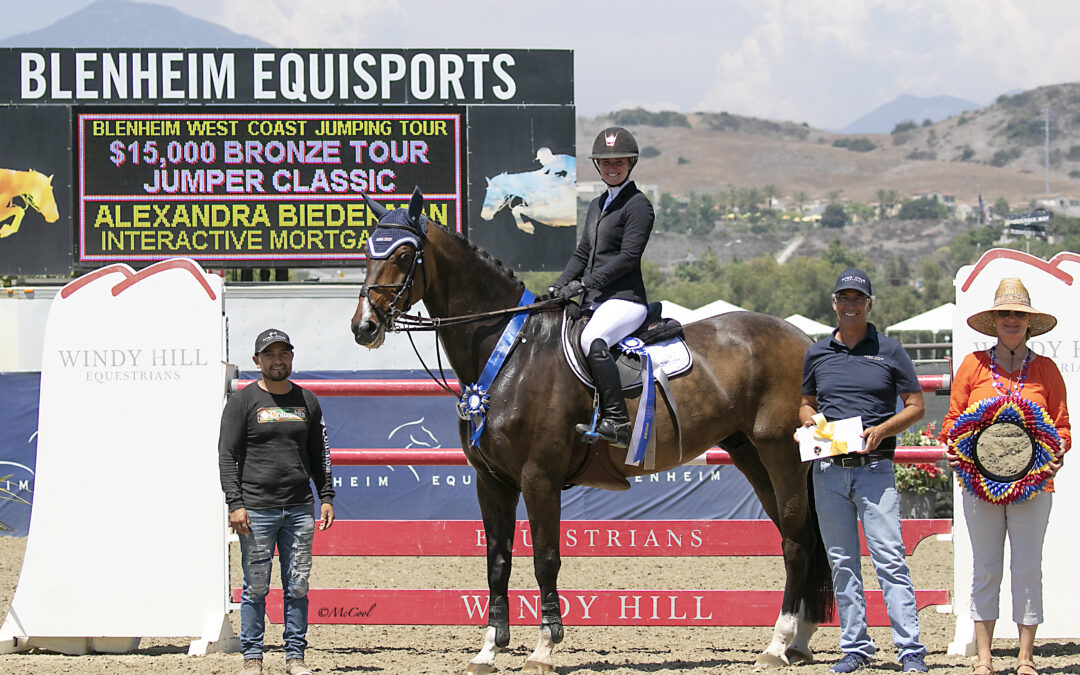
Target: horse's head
point(41, 197)
point(395, 253)
point(494, 197)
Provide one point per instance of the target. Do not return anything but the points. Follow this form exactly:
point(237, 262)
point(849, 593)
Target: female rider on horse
point(607, 267)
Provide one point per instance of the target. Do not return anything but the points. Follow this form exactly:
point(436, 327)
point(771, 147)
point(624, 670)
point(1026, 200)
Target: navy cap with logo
point(269, 337)
point(855, 279)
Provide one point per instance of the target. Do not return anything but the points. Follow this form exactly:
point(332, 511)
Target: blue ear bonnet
point(394, 229)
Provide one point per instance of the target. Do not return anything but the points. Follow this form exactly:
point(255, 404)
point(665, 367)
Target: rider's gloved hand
point(571, 290)
point(552, 294)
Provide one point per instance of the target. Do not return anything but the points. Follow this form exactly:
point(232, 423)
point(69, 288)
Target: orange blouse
point(1044, 385)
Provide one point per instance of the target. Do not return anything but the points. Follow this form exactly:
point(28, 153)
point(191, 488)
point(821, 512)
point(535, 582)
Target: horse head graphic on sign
point(547, 195)
point(35, 191)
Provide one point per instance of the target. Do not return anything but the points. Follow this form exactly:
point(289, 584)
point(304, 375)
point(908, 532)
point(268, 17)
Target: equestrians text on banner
point(243, 187)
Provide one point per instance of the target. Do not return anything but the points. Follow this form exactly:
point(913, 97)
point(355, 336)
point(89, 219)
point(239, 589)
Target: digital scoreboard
point(230, 187)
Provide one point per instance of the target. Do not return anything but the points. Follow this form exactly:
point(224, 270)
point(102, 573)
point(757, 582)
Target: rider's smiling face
point(614, 171)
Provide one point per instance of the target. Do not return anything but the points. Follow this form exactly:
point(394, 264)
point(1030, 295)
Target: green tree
point(841, 258)
point(833, 216)
point(799, 200)
point(705, 215)
point(861, 212)
point(669, 217)
point(771, 194)
point(923, 209)
point(882, 196)
point(1001, 206)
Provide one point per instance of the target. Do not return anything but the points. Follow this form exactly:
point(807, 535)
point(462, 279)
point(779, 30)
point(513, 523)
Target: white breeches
point(612, 321)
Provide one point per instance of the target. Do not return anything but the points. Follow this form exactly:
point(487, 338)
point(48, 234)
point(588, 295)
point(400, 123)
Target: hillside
point(957, 155)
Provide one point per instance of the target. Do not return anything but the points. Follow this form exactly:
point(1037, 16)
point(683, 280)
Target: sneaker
point(296, 667)
point(251, 667)
point(913, 663)
point(851, 662)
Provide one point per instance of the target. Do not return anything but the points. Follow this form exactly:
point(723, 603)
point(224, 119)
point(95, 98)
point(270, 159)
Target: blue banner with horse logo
point(400, 492)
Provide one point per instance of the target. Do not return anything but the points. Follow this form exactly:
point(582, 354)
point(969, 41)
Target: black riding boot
point(614, 425)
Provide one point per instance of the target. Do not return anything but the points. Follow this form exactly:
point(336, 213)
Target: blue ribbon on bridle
point(642, 439)
point(475, 401)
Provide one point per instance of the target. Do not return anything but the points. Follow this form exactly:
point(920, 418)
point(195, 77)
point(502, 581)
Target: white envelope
point(813, 446)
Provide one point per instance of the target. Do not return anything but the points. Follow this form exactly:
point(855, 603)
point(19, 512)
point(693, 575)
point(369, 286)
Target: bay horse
point(742, 393)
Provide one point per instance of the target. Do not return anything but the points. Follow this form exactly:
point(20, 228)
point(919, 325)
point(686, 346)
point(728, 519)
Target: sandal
point(1026, 667)
point(982, 669)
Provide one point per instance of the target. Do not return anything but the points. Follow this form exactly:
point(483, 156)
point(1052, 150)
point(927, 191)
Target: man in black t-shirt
point(273, 445)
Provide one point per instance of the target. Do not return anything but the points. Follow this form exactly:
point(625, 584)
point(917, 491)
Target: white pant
point(1025, 524)
point(612, 321)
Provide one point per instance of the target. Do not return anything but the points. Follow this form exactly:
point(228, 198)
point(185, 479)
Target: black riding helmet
point(613, 143)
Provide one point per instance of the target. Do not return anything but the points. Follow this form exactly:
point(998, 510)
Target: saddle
point(663, 341)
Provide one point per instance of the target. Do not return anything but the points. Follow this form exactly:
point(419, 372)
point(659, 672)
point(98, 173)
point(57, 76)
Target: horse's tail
point(818, 601)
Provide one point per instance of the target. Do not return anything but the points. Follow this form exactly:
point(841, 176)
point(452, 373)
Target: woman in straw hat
point(1001, 387)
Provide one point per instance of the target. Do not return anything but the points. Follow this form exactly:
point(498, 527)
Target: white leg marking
point(540, 660)
point(484, 662)
point(774, 655)
point(799, 650)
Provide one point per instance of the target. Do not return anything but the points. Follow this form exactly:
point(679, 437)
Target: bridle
point(397, 228)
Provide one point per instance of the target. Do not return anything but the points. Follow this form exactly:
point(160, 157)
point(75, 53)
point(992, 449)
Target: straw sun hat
point(1011, 294)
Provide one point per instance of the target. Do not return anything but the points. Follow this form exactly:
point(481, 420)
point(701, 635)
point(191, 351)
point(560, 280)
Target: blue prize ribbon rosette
point(1009, 408)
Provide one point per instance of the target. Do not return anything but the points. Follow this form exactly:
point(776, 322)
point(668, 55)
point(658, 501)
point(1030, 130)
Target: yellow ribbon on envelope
point(824, 431)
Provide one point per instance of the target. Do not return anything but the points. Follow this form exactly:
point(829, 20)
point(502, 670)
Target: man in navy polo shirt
point(856, 372)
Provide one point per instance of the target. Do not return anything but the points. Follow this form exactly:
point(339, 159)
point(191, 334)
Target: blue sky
point(825, 62)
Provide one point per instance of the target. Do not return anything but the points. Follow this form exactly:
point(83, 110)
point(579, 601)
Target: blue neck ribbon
point(475, 401)
point(642, 442)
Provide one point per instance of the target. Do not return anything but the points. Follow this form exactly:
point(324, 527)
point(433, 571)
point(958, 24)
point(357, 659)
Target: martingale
point(963, 439)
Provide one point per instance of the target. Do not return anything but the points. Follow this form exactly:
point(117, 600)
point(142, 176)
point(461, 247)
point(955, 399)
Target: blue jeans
point(292, 530)
point(843, 497)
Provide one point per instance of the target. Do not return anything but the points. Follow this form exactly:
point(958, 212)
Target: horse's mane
point(489, 260)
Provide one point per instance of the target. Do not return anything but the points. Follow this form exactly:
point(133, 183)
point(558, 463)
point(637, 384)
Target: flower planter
point(917, 506)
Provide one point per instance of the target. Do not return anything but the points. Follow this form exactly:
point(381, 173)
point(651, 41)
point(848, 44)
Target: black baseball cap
point(269, 337)
point(853, 278)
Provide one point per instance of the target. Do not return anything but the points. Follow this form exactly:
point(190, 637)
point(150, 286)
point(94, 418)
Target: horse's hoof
point(537, 667)
point(479, 669)
point(769, 661)
point(796, 657)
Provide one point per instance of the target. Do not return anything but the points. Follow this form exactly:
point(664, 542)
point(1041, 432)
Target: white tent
point(715, 308)
point(809, 326)
point(676, 311)
point(937, 320)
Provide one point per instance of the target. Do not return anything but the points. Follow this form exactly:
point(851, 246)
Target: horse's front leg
point(498, 503)
point(543, 499)
point(11, 228)
point(522, 224)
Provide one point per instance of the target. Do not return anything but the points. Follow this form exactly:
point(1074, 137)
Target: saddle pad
point(670, 356)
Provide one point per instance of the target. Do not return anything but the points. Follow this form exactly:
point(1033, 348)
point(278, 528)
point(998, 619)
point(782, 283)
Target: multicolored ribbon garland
point(475, 402)
point(1009, 408)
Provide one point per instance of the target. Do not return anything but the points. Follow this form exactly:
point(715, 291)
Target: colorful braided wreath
point(963, 437)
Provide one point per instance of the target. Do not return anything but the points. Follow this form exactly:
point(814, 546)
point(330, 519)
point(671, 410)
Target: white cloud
point(830, 61)
point(826, 62)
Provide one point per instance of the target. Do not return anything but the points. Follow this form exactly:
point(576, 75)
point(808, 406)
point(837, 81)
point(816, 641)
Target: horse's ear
point(416, 205)
point(378, 209)
point(488, 181)
point(50, 178)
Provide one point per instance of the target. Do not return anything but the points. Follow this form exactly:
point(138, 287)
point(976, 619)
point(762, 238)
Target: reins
point(414, 322)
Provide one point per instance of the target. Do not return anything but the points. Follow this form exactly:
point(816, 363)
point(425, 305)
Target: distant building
point(1062, 204)
point(949, 200)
